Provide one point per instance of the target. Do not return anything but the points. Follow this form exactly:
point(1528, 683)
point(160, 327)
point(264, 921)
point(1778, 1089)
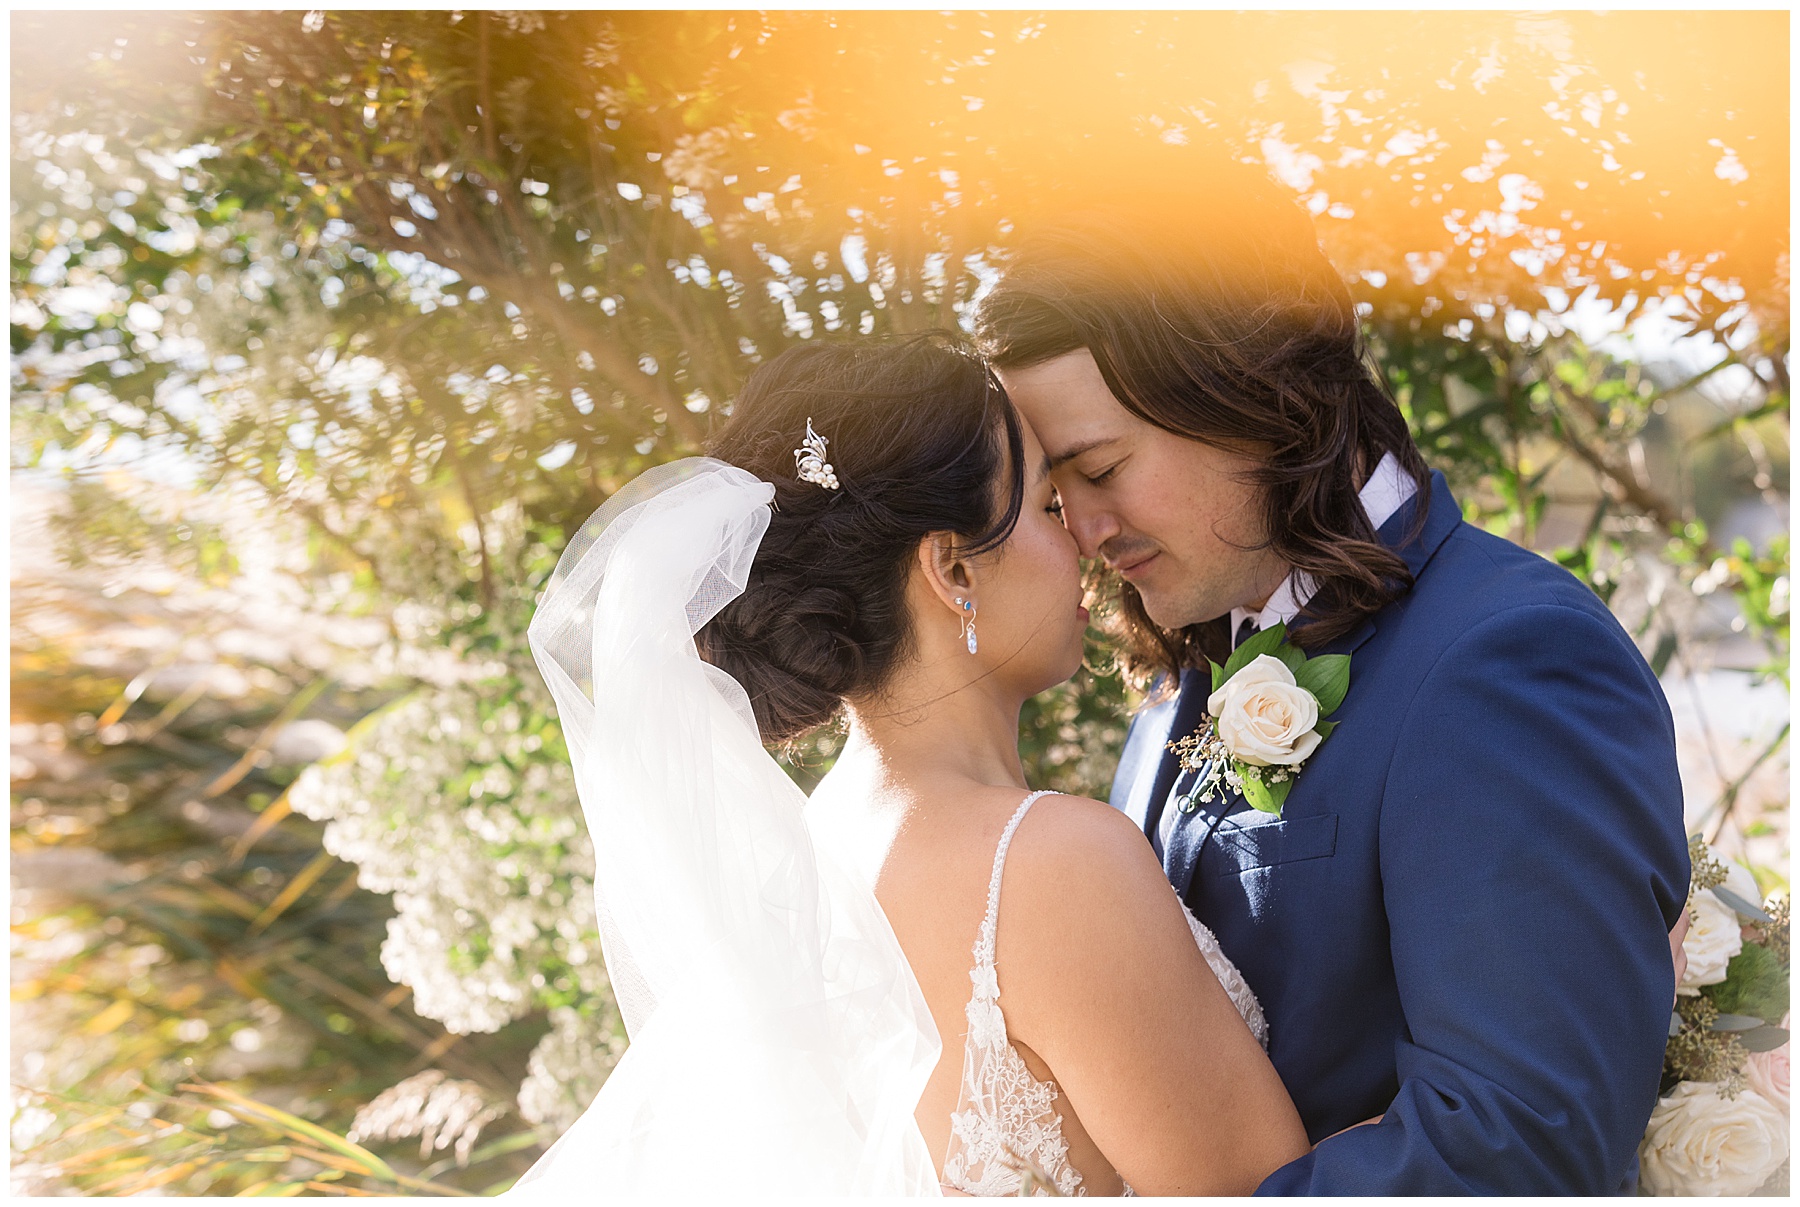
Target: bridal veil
point(779, 1042)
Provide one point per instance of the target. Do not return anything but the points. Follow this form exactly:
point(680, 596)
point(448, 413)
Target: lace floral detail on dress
point(1004, 1113)
point(1236, 988)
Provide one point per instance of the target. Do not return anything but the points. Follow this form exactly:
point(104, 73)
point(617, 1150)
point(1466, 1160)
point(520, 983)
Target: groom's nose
point(1091, 527)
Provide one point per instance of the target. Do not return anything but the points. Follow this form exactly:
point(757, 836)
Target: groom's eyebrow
point(1086, 446)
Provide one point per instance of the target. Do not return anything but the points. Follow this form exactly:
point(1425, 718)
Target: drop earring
point(968, 620)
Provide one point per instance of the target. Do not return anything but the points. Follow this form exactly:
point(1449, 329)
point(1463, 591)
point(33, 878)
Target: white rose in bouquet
point(1701, 1144)
point(1767, 1073)
point(1265, 718)
point(1717, 933)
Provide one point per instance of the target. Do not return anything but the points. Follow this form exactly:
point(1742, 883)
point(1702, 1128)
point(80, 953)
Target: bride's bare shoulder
point(1085, 910)
point(1072, 840)
point(1081, 873)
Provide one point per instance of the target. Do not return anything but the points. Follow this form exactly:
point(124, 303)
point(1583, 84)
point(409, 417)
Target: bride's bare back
point(1105, 994)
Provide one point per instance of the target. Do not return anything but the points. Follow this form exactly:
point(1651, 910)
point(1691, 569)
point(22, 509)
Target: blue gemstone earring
point(968, 620)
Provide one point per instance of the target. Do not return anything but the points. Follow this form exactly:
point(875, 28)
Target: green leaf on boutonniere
point(1291, 657)
point(1264, 797)
point(1218, 674)
point(1324, 728)
point(1265, 642)
point(1327, 677)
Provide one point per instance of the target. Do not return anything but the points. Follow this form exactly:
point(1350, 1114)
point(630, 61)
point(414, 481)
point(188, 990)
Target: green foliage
point(1756, 983)
point(1697, 1052)
point(1776, 934)
point(1264, 641)
point(174, 921)
point(1759, 583)
point(97, 525)
point(1327, 677)
point(1264, 797)
point(1070, 736)
point(213, 1137)
point(1708, 871)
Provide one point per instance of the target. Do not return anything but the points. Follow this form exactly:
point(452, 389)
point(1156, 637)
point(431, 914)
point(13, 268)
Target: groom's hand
point(1678, 953)
point(1353, 1127)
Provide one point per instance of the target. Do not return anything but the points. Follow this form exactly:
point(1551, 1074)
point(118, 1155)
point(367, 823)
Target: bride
point(873, 538)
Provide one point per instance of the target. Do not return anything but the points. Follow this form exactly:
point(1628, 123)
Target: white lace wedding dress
point(1004, 1113)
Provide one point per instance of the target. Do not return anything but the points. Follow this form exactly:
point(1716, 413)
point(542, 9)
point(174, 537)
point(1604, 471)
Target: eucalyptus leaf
point(1264, 642)
point(1328, 678)
point(1737, 1022)
point(1754, 913)
point(1763, 1039)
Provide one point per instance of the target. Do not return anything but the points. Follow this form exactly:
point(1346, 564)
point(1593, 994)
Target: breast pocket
point(1238, 848)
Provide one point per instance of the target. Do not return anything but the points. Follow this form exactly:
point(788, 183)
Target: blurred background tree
point(387, 303)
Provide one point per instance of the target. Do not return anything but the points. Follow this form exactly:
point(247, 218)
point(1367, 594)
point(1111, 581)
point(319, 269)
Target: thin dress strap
point(1003, 1113)
point(984, 940)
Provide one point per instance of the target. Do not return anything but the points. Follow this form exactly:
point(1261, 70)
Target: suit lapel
point(1443, 516)
point(1189, 707)
point(1186, 839)
point(1141, 761)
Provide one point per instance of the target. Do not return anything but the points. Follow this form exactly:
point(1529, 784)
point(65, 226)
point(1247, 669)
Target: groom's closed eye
point(1081, 450)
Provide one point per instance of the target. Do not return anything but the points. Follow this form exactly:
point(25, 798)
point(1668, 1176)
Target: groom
point(1459, 922)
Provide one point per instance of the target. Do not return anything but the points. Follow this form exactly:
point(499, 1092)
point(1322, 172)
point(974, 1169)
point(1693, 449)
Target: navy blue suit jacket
point(1461, 920)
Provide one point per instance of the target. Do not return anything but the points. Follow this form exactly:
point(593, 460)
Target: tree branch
point(1625, 485)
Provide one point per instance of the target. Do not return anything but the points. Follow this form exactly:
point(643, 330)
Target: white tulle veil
point(779, 1042)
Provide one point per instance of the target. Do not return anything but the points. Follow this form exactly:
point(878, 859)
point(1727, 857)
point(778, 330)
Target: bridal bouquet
point(1721, 1126)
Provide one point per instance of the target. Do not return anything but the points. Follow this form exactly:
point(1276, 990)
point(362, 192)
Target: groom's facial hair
point(1126, 550)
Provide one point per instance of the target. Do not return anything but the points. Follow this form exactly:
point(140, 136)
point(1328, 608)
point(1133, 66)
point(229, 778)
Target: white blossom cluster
point(569, 1065)
point(459, 801)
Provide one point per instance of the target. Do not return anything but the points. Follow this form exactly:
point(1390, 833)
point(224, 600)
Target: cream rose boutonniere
point(1264, 719)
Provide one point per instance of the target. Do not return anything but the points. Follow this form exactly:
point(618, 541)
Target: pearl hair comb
point(809, 460)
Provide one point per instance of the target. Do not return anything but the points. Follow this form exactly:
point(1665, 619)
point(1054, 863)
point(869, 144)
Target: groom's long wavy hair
point(1213, 314)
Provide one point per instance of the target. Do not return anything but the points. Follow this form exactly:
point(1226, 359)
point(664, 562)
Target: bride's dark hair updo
point(920, 435)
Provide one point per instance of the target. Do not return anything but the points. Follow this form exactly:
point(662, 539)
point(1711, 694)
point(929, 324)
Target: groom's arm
point(1532, 862)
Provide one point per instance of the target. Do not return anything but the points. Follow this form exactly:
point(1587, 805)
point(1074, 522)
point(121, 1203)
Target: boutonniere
point(1264, 718)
